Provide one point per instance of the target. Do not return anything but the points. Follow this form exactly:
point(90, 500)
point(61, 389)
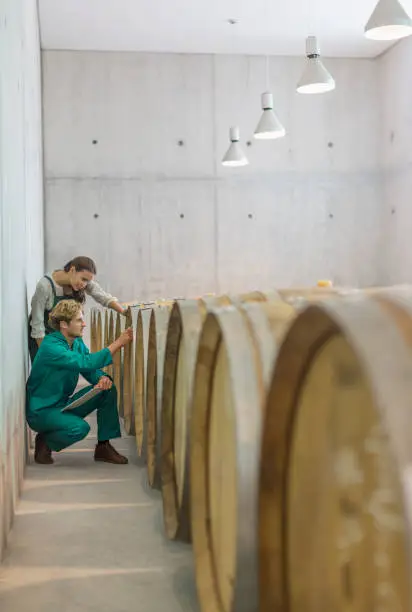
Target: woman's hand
point(104, 383)
point(116, 306)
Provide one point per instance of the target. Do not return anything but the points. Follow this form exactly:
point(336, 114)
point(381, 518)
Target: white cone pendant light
point(389, 21)
point(234, 155)
point(315, 79)
point(269, 126)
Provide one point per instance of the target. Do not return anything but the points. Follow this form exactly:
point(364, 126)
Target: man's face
point(76, 326)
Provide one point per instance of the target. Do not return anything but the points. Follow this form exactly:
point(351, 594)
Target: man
point(62, 356)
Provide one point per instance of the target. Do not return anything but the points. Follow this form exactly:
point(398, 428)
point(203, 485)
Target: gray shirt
point(43, 300)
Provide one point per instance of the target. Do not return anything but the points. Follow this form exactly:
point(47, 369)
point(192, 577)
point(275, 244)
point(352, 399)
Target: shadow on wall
point(21, 205)
point(12, 463)
point(18, 441)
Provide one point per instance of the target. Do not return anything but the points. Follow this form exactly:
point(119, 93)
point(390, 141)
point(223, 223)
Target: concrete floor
point(89, 537)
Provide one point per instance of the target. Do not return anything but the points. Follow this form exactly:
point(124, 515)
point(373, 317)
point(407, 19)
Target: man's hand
point(104, 383)
point(126, 337)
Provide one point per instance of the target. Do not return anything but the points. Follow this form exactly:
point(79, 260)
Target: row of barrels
point(279, 430)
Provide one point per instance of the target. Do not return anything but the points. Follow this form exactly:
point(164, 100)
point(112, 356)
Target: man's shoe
point(104, 451)
point(42, 453)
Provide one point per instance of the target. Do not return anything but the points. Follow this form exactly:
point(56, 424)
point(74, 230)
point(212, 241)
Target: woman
point(75, 281)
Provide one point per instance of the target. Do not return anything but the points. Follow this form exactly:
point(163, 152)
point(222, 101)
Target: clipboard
point(82, 399)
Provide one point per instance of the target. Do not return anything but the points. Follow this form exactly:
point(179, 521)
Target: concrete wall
point(395, 69)
point(21, 230)
point(167, 220)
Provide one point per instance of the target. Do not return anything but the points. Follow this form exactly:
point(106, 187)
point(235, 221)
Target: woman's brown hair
point(81, 263)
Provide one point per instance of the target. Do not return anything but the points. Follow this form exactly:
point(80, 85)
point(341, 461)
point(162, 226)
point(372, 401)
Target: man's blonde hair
point(66, 310)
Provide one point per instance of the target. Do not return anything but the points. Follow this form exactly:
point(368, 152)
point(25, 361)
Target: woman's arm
point(103, 298)
point(42, 300)
point(115, 305)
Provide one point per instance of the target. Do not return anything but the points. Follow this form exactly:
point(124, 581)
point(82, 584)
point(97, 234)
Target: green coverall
point(52, 381)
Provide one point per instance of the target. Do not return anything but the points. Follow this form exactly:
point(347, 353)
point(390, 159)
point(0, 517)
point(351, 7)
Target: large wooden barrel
point(119, 326)
point(99, 331)
point(93, 342)
point(335, 492)
point(141, 348)
point(237, 349)
point(106, 317)
point(159, 321)
point(184, 330)
point(106, 320)
point(128, 376)
point(256, 296)
point(185, 325)
point(299, 297)
point(111, 327)
point(110, 337)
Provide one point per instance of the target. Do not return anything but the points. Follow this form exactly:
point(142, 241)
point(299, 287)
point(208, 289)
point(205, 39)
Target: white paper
point(83, 399)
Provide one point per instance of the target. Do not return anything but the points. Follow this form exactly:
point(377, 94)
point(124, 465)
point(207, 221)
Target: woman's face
point(79, 280)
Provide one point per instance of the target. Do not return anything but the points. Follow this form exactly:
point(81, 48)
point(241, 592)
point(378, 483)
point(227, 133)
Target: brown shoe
point(42, 453)
point(105, 452)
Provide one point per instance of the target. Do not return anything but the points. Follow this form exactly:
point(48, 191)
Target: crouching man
point(62, 356)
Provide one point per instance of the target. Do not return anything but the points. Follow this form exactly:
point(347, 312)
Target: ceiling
point(275, 27)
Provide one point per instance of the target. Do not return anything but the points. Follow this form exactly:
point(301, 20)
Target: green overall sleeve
point(91, 377)
point(60, 356)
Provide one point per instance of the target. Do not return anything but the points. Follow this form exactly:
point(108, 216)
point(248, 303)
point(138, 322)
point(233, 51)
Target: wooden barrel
point(335, 492)
point(208, 303)
point(106, 320)
point(398, 289)
point(110, 337)
point(111, 327)
point(185, 325)
point(159, 321)
point(184, 330)
point(106, 331)
point(258, 296)
point(141, 349)
point(300, 297)
point(99, 331)
point(237, 349)
point(127, 380)
point(119, 326)
point(93, 342)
